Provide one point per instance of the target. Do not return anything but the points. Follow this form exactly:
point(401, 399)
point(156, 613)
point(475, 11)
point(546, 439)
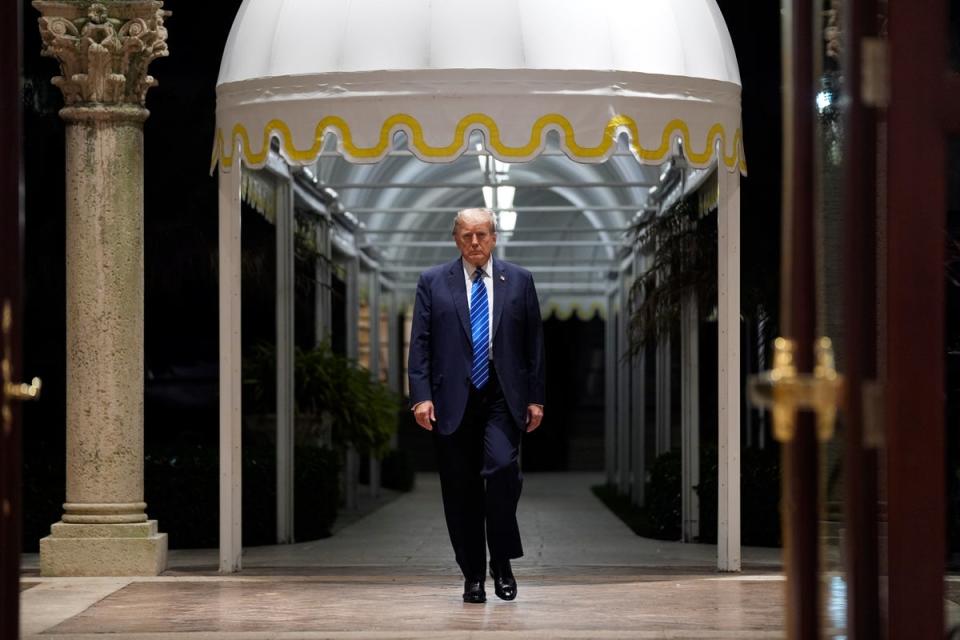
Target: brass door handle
point(13, 390)
point(22, 392)
point(784, 392)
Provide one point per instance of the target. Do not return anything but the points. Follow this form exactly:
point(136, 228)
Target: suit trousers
point(480, 479)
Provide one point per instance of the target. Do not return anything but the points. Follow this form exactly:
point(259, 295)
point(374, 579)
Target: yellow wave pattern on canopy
point(470, 122)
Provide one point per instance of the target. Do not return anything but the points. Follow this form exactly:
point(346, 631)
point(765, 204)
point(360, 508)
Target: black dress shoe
point(473, 592)
point(504, 584)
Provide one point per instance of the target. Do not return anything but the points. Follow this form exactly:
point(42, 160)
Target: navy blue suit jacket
point(441, 350)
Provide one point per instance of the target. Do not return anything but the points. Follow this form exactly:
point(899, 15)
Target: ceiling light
point(824, 98)
point(505, 197)
point(508, 220)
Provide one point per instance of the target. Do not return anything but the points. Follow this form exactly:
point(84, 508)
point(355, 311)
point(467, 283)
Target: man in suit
point(476, 372)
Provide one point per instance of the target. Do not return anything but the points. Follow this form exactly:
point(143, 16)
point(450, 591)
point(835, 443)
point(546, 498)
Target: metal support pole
point(374, 307)
point(231, 546)
point(394, 353)
point(728, 373)
point(285, 364)
point(351, 464)
point(639, 402)
point(322, 289)
point(662, 384)
point(610, 389)
point(690, 416)
point(623, 386)
point(393, 348)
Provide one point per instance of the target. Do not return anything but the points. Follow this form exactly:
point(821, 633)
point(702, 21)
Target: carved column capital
point(104, 48)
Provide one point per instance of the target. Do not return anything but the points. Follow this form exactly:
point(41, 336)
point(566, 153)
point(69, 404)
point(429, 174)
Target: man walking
point(476, 372)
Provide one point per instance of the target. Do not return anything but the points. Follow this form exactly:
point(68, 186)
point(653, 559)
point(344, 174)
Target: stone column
point(104, 50)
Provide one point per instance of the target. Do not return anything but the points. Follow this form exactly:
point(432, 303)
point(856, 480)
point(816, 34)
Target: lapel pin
point(503, 278)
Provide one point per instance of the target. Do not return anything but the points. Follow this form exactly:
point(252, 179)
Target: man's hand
point(534, 416)
point(423, 412)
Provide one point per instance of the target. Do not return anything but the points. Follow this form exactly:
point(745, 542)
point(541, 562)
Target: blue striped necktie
point(480, 331)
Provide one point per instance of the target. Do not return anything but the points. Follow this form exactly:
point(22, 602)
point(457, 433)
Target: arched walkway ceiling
point(391, 233)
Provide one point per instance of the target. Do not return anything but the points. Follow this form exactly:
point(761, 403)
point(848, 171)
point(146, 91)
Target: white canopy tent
point(521, 78)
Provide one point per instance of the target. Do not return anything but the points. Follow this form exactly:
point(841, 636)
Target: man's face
point(476, 240)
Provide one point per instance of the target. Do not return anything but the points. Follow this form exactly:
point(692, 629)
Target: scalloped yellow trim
point(562, 311)
point(403, 121)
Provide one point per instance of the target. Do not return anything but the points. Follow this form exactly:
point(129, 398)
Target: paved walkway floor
point(391, 575)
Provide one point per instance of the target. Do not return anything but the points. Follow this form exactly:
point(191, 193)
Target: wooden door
point(11, 182)
point(859, 208)
point(901, 101)
point(923, 109)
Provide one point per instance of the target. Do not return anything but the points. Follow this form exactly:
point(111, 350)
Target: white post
point(285, 365)
point(321, 291)
point(639, 403)
point(623, 387)
point(393, 352)
point(690, 417)
point(231, 545)
point(374, 307)
point(728, 373)
point(610, 389)
point(352, 463)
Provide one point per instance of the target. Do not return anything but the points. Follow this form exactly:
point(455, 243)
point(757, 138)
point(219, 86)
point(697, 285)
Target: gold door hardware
point(23, 391)
point(784, 392)
point(10, 390)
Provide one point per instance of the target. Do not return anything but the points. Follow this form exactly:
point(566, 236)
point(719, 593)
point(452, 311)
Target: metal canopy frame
point(597, 270)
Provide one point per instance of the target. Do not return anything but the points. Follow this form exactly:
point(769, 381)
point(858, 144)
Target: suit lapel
point(499, 295)
point(458, 289)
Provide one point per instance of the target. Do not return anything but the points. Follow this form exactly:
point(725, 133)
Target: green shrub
point(316, 494)
point(182, 493)
point(664, 505)
point(661, 517)
point(363, 411)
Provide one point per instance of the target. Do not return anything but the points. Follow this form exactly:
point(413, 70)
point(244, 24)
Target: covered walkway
point(391, 575)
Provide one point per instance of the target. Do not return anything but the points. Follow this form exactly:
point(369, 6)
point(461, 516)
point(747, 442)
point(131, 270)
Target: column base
point(136, 549)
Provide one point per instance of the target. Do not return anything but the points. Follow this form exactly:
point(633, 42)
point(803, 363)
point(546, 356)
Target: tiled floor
point(391, 575)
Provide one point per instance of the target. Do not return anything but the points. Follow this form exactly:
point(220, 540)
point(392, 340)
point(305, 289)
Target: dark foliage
point(759, 501)
point(363, 411)
point(663, 496)
point(397, 471)
point(684, 261)
point(660, 518)
point(182, 494)
point(44, 479)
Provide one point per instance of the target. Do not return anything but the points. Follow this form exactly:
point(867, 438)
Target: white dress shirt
point(468, 271)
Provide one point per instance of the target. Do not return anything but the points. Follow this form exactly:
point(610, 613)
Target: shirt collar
point(469, 269)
